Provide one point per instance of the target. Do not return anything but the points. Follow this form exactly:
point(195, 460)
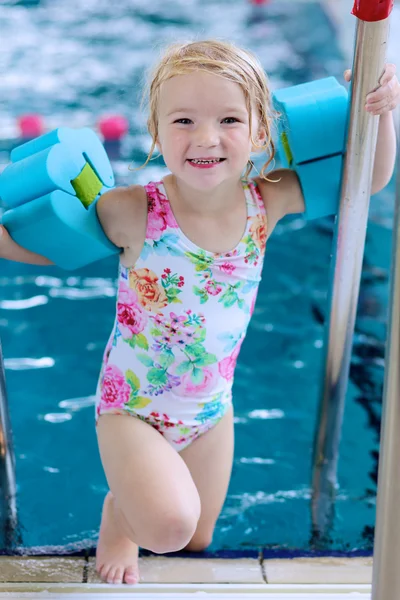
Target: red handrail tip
point(372, 10)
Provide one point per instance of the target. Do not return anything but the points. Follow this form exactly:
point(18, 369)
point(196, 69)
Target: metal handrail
point(369, 59)
point(386, 572)
point(8, 486)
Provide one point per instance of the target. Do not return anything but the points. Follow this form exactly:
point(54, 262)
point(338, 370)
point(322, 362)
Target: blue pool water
point(71, 61)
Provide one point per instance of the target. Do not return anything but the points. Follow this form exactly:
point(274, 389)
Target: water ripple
point(75, 404)
point(80, 294)
point(22, 304)
point(24, 364)
point(57, 417)
point(274, 413)
point(246, 501)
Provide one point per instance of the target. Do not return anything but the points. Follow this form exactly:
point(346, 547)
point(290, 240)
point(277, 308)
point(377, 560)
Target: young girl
point(192, 255)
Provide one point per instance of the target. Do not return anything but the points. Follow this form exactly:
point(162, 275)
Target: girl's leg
point(153, 502)
point(209, 459)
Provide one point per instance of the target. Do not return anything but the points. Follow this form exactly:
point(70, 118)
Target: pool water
point(72, 62)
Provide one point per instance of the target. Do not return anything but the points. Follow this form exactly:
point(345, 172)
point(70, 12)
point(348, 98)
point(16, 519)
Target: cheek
point(239, 140)
point(174, 141)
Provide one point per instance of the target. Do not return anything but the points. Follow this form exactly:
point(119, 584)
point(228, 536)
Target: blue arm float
point(51, 188)
point(311, 140)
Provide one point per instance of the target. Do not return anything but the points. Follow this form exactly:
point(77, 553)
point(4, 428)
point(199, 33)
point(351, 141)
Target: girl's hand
point(387, 96)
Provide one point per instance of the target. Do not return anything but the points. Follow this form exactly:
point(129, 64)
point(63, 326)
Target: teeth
point(205, 162)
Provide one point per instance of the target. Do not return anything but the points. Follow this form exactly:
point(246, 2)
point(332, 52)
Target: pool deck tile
point(43, 569)
point(176, 570)
point(159, 569)
point(329, 570)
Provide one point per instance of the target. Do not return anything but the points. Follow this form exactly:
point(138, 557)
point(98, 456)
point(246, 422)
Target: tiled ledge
point(160, 569)
point(167, 570)
point(41, 569)
point(319, 570)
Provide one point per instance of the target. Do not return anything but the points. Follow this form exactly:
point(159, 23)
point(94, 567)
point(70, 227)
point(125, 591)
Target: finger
point(389, 89)
point(347, 75)
point(385, 105)
point(388, 74)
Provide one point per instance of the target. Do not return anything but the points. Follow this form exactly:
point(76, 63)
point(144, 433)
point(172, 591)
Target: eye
point(231, 120)
point(183, 121)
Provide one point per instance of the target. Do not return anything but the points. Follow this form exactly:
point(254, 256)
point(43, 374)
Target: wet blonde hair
point(224, 59)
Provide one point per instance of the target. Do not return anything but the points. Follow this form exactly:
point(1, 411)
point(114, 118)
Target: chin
point(203, 185)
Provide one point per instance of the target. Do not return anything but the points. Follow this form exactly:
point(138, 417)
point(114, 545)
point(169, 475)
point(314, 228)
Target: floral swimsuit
point(182, 314)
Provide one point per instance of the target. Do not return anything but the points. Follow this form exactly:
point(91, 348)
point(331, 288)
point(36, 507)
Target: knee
point(173, 532)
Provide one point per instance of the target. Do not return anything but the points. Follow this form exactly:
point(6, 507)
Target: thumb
point(347, 74)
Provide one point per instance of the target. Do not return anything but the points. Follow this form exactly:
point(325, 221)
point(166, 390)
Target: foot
point(117, 555)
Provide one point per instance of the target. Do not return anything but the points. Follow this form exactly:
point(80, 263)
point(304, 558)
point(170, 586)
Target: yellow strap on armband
point(286, 147)
point(87, 185)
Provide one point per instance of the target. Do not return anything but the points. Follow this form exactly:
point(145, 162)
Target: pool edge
point(159, 570)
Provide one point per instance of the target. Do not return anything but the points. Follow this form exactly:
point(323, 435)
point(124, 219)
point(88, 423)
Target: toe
point(118, 574)
point(106, 572)
point(131, 575)
point(102, 571)
point(111, 575)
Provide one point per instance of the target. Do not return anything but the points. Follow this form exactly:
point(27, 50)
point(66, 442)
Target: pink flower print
point(176, 329)
point(213, 288)
point(177, 320)
point(227, 268)
point(160, 215)
point(227, 365)
point(158, 318)
point(131, 316)
point(162, 422)
point(208, 383)
point(184, 440)
point(115, 390)
point(232, 253)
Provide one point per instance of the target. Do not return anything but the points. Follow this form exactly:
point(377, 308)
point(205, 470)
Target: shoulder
point(122, 213)
point(282, 195)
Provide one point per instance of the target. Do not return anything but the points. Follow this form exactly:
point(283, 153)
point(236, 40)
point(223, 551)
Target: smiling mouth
point(205, 161)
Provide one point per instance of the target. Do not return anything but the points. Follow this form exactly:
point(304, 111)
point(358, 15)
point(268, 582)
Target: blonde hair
point(224, 59)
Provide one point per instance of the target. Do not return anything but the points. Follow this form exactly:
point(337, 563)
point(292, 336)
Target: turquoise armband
point(51, 189)
point(311, 140)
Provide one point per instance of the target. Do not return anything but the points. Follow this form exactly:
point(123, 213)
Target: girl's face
point(204, 131)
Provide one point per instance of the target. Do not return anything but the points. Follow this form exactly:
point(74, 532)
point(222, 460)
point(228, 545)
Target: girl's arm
point(10, 250)
point(382, 102)
point(385, 156)
point(286, 197)
point(122, 213)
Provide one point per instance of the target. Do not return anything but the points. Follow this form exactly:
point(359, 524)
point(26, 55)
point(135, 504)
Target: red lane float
point(30, 126)
point(259, 2)
point(372, 10)
point(113, 127)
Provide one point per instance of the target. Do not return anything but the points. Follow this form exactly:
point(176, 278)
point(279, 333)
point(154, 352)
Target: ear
point(260, 140)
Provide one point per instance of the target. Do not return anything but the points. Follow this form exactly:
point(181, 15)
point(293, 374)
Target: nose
point(207, 136)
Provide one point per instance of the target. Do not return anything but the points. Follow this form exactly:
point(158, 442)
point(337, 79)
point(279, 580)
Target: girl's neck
point(212, 202)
